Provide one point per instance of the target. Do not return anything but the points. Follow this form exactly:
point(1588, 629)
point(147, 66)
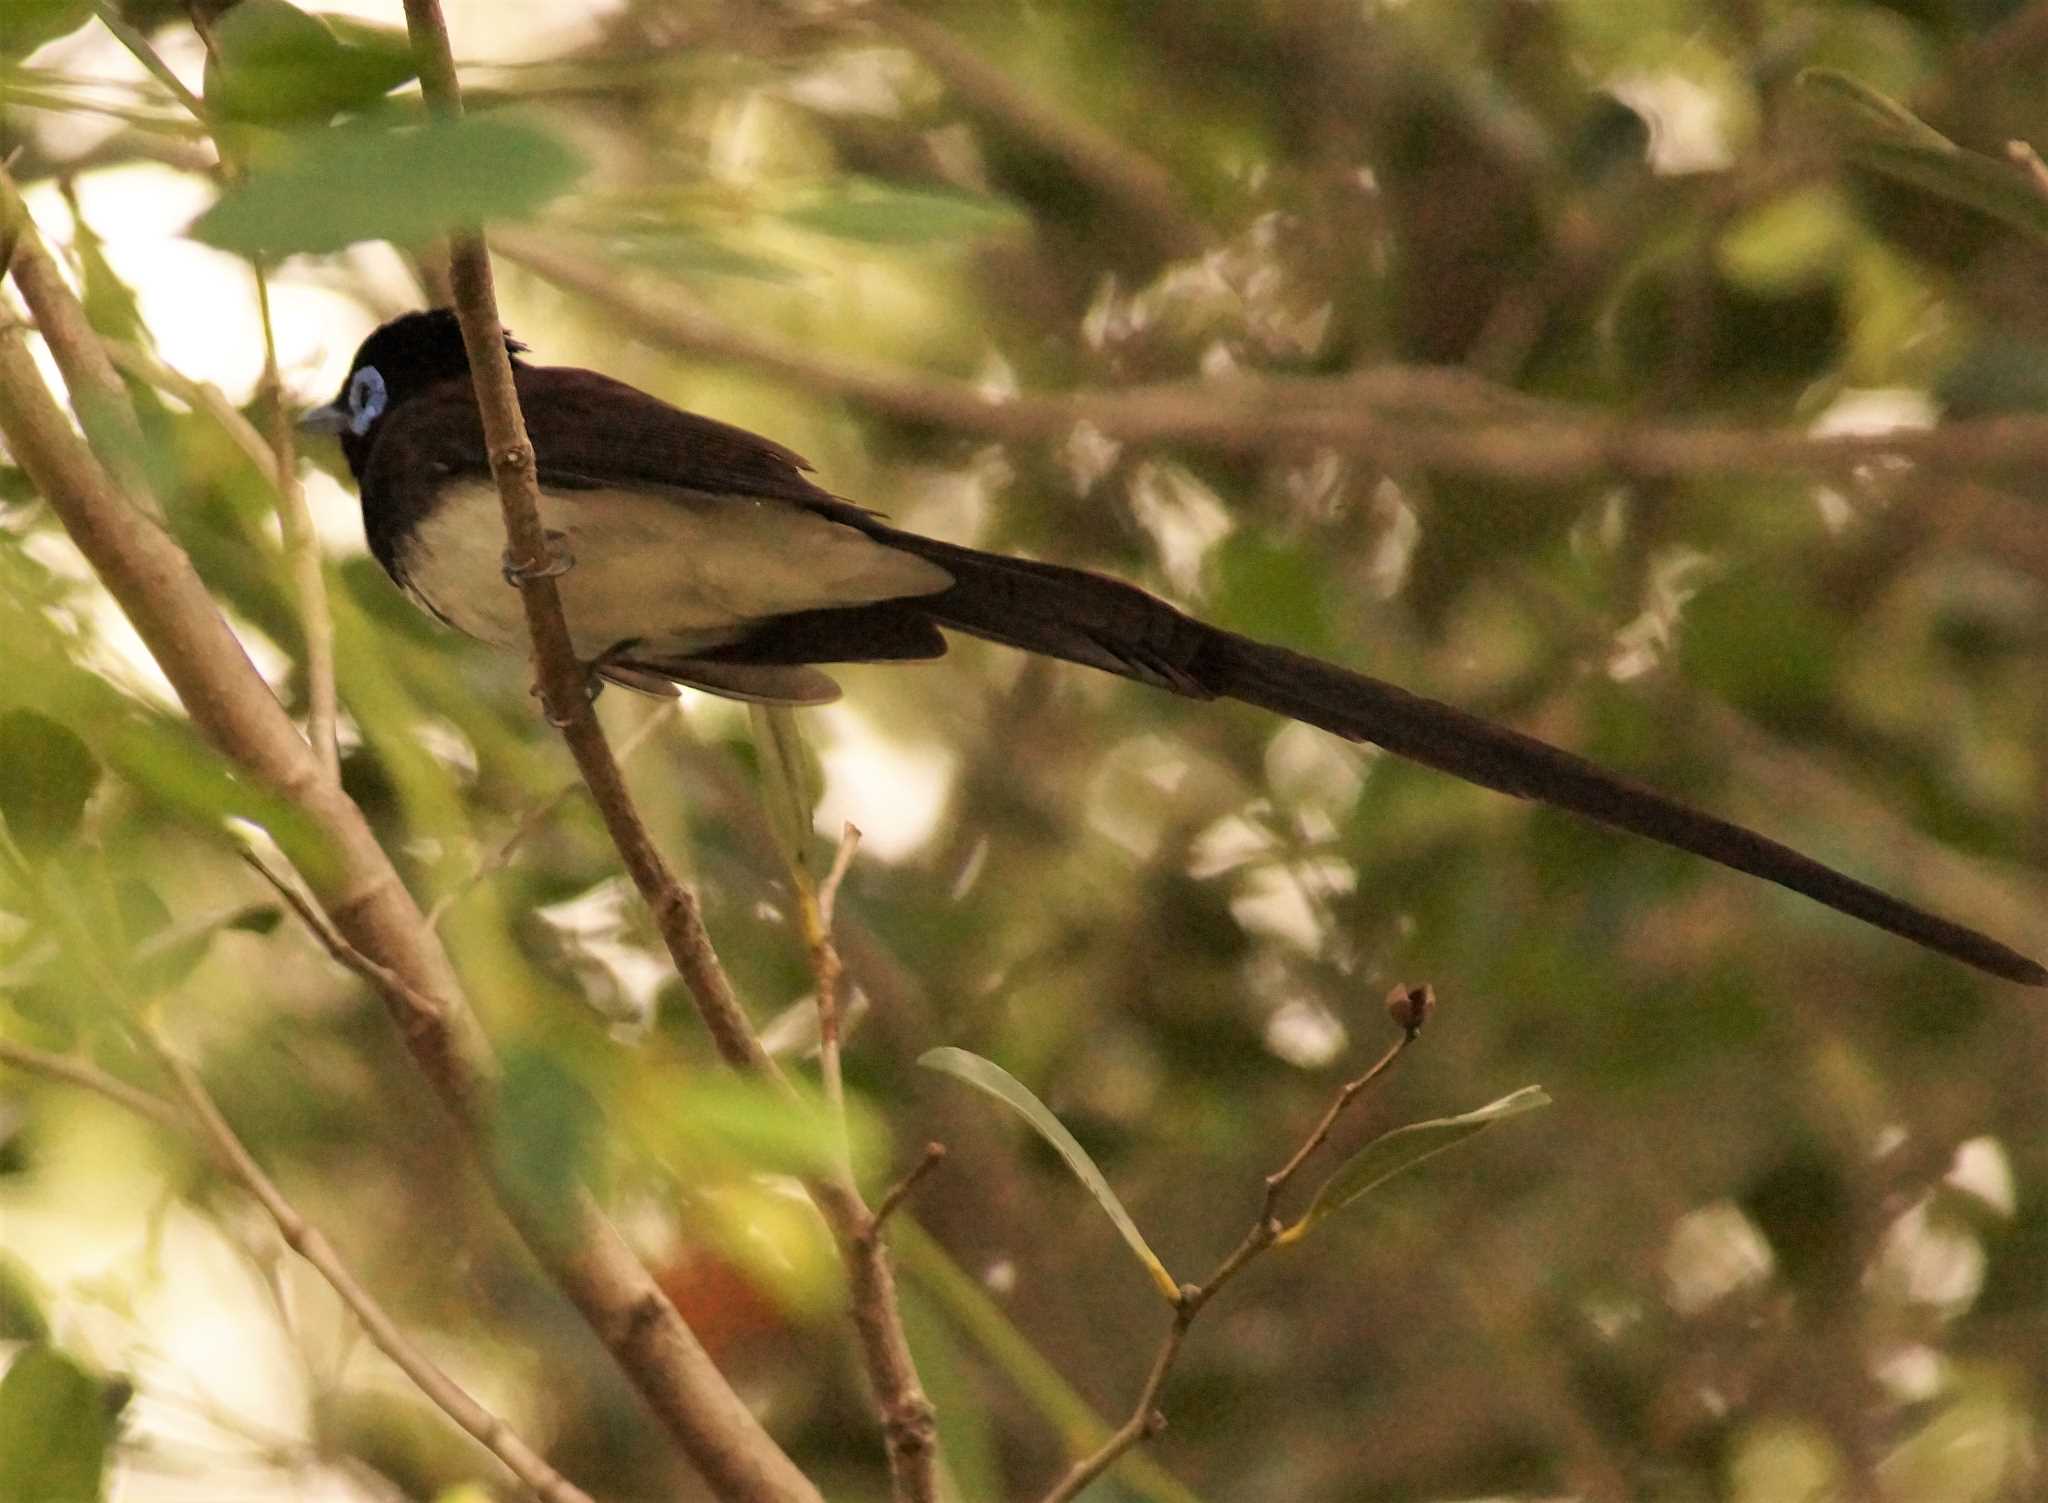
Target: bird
point(693, 552)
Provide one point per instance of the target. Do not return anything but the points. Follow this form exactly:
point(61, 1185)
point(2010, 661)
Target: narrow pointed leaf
point(787, 787)
point(1886, 137)
point(991, 1077)
point(1404, 1147)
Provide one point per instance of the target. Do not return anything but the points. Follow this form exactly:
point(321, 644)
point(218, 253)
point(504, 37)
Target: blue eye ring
point(366, 398)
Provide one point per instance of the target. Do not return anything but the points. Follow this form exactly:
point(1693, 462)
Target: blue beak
point(333, 418)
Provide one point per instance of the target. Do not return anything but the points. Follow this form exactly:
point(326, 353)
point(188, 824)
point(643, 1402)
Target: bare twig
point(138, 44)
point(1145, 1419)
point(534, 820)
point(2029, 160)
point(311, 1244)
point(395, 987)
point(842, 863)
point(201, 396)
point(301, 548)
point(909, 1431)
point(92, 1078)
point(897, 1193)
point(1278, 1181)
point(1145, 1422)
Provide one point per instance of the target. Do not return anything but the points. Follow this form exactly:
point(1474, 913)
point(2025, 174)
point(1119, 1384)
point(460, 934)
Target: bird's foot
point(560, 562)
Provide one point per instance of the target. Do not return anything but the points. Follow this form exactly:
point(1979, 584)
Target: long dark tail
point(1105, 623)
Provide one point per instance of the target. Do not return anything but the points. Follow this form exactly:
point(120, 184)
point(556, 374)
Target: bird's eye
point(365, 400)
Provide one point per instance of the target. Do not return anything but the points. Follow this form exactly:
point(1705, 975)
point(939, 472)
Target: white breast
point(679, 571)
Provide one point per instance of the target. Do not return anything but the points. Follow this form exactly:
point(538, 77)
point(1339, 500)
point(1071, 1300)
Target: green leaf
point(21, 1302)
point(54, 1430)
point(743, 1121)
point(276, 65)
point(881, 214)
point(165, 953)
point(986, 1075)
point(375, 180)
point(1889, 139)
point(26, 24)
point(1868, 109)
point(46, 776)
point(789, 783)
point(545, 1138)
point(685, 252)
point(1403, 1148)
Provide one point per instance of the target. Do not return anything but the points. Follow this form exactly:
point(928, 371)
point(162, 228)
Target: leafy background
point(1783, 1234)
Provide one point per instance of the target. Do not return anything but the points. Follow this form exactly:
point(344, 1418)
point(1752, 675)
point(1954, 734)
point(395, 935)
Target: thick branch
point(153, 581)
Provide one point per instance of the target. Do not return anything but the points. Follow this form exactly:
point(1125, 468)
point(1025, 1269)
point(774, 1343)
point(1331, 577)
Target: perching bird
point(697, 553)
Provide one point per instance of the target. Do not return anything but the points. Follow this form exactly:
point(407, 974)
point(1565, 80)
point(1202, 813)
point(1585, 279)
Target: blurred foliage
point(1782, 1234)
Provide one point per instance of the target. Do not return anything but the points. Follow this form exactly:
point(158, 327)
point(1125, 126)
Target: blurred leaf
point(969, 1433)
point(1858, 104)
point(277, 65)
point(110, 303)
point(762, 1130)
point(880, 213)
point(1890, 139)
point(1792, 241)
point(546, 1136)
point(26, 24)
point(21, 1302)
point(376, 180)
point(54, 1430)
point(159, 957)
point(1403, 1148)
point(987, 1075)
point(165, 953)
point(676, 249)
point(46, 776)
point(789, 781)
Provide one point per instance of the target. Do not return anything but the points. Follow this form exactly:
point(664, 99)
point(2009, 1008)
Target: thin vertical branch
point(909, 1428)
point(564, 686)
point(302, 552)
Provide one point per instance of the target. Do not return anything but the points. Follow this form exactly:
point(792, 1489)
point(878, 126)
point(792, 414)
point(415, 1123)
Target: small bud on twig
point(1411, 1006)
